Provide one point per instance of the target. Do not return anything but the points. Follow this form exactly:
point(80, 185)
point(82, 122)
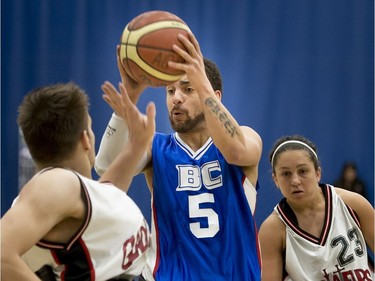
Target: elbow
point(234, 158)
point(243, 156)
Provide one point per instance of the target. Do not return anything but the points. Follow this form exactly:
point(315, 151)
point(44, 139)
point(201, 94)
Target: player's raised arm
point(240, 145)
point(116, 133)
point(141, 129)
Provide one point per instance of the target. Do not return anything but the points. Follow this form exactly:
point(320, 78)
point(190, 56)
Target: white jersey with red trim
point(340, 253)
point(113, 240)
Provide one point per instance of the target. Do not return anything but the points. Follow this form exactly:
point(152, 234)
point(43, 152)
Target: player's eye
point(304, 171)
point(189, 90)
point(170, 91)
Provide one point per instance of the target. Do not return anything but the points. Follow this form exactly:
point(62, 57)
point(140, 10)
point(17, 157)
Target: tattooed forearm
point(222, 116)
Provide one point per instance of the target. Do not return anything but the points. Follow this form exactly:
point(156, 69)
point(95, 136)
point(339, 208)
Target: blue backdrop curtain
point(289, 67)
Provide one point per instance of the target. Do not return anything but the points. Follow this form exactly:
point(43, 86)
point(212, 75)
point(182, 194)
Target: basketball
point(146, 47)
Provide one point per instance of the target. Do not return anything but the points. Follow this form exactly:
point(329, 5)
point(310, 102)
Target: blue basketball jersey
point(203, 227)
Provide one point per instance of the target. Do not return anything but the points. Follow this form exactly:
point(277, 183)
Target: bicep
point(271, 243)
point(367, 217)
point(42, 204)
point(23, 226)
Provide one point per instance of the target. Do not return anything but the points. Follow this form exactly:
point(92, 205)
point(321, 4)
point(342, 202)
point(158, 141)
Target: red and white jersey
point(113, 240)
point(340, 253)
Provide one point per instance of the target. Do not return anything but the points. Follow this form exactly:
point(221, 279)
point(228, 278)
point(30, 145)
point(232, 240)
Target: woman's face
point(295, 175)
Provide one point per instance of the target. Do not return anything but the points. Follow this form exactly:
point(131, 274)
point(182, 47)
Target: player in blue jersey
point(202, 178)
point(317, 231)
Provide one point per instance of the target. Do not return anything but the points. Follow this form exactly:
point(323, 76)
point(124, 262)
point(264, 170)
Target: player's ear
point(319, 174)
point(218, 94)
point(275, 180)
point(85, 139)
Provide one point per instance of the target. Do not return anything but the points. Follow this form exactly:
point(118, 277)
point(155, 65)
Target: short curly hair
point(213, 75)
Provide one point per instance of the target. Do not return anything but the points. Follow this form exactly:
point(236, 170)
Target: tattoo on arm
point(222, 116)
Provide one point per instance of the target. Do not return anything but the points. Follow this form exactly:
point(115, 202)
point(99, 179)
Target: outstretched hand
point(141, 127)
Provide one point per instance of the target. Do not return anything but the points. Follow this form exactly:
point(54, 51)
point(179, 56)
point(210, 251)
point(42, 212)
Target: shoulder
point(355, 201)
point(51, 187)
point(272, 229)
point(57, 177)
point(349, 197)
point(161, 138)
point(53, 177)
point(272, 222)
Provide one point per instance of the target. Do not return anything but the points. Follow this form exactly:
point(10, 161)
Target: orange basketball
point(146, 47)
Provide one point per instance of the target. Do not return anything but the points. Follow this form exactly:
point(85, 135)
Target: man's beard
point(188, 125)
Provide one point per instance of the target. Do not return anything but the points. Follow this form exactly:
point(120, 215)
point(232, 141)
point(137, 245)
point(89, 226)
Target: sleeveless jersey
point(202, 225)
point(340, 253)
point(113, 239)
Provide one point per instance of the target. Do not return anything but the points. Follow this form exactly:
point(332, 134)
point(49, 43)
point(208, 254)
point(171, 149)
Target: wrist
point(116, 116)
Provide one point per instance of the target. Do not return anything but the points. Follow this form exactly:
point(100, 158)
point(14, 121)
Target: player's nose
point(295, 179)
point(178, 96)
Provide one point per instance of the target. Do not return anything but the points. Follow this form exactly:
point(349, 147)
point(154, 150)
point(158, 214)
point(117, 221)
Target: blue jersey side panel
point(204, 224)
